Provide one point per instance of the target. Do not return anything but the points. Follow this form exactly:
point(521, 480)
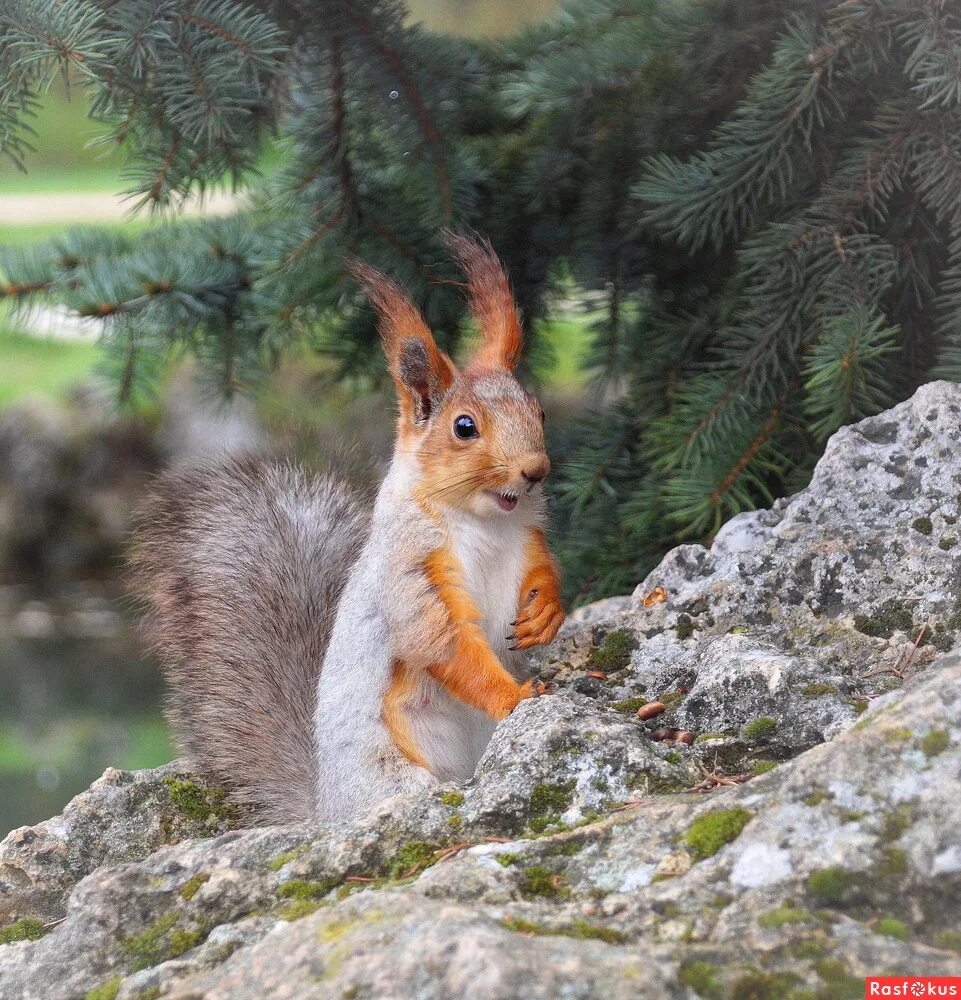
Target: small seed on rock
point(664, 733)
point(599, 674)
point(651, 709)
point(684, 736)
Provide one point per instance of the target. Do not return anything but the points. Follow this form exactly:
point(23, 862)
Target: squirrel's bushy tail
point(240, 566)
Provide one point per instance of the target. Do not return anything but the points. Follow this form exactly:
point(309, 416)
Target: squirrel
point(323, 656)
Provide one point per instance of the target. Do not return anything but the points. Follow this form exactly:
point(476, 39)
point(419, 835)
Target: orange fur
point(541, 612)
point(399, 322)
point(473, 674)
point(403, 687)
point(491, 302)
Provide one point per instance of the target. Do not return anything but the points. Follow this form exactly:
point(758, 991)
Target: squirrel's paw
point(529, 689)
point(538, 623)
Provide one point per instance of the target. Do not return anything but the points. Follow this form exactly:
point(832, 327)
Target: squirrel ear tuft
point(421, 371)
point(491, 300)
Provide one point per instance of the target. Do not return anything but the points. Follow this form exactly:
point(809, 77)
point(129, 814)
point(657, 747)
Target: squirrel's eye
point(464, 427)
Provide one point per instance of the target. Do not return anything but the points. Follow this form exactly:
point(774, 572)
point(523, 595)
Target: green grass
point(38, 367)
point(66, 156)
point(62, 159)
point(22, 234)
point(568, 338)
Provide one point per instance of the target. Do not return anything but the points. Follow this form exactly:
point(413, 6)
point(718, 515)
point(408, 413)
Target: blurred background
point(77, 692)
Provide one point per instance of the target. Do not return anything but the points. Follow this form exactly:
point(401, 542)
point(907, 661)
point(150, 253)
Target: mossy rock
point(710, 832)
point(107, 990)
point(161, 941)
point(614, 652)
point(539, 881)
point(27, 929)
point(891, 617)
point(206, 807)
point(761, 728)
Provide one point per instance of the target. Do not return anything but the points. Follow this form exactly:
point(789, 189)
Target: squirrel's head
point(476, 432)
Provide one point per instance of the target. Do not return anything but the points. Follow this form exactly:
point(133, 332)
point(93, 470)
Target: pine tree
point(763, 199)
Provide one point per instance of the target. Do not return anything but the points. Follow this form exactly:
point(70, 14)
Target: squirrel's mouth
point(506, 500)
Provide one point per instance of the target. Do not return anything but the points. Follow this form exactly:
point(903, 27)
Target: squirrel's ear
point(421, 371)
point(491, 301)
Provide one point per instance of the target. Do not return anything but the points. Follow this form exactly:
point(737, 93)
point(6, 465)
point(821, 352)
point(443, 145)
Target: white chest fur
point(491, 552)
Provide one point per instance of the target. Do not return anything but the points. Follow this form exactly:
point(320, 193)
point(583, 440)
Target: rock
point(820, 846)
point(122, 817)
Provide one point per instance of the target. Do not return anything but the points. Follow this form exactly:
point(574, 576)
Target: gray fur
point(241, 567)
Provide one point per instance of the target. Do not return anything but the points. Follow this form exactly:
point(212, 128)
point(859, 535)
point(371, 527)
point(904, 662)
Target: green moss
point(455, 822)
point(523, 926)
point(935, 742)
point(107, 990)
point(923, 525)
point(817, 690)
point(507, 859)
point(947, 543)
point(763, 986)
point(153, 945)
point(893, 862)
point(298, 908)
point(411, 859)
point(949, 940)
point(151, 993)
point(702, 978)
point(202, 805)
point(896, 822)
point(453, 799)
point(759, 728)
point(763, 766)
point(831, 886)
point(661, 786)
point(817, 797)
point(540, 881)
point(587, 931)
point(783, 915)
point(891, 617)
point(614, 653)
point(892, 927)
point(301, 889)
point(629, 704)
point(899, 734)
point(685, 629)
point(839, 983)
point(182, 941)
point(581, 929)
point(709, 833)
point(704, 737)
point(191, 887)
point(807, 948)
point(673, 757)
point(27, 929)
point(278, 862)
point(547, 802)
point(858, 705)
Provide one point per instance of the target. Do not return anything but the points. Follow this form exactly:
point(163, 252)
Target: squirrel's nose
point(534, 468)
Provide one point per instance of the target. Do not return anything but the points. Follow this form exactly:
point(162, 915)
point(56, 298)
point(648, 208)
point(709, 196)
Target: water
point(76, 696)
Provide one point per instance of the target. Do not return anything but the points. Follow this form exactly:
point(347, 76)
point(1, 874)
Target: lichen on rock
point(803, 838)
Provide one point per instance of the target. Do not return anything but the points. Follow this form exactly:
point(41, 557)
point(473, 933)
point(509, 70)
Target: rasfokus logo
point(912, 986)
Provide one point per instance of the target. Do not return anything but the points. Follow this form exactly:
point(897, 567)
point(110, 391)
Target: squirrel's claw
point(539, 621)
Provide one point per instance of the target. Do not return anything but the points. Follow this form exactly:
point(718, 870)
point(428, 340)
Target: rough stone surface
point(805, 655)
